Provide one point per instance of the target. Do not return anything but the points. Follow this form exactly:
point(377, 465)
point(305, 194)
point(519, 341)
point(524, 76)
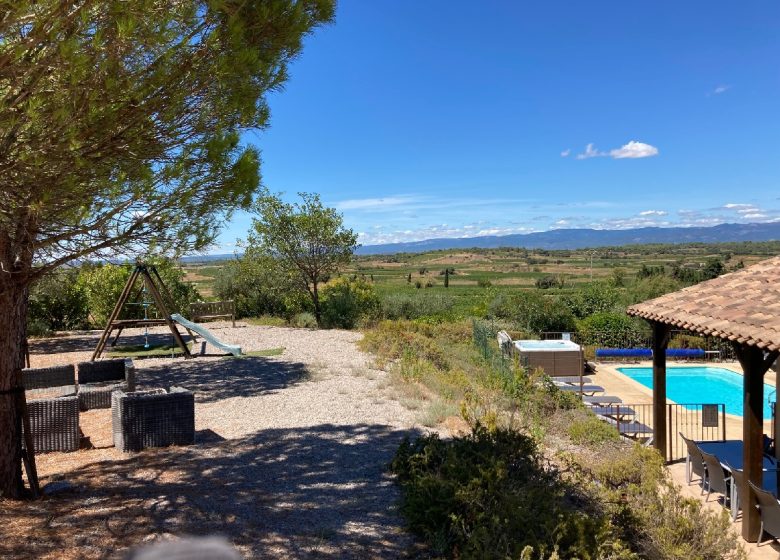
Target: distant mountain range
point(584, 238)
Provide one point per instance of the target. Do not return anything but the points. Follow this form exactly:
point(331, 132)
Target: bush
point(304, 320)
point(484, 283)
point(103, 284)
point(596, 297)
point(259, 287)
point(487, 495)
point(416, 306)
point(532, 311)
point(57, 302)
point(589, 430)
point(345, 302)
point(614, 330)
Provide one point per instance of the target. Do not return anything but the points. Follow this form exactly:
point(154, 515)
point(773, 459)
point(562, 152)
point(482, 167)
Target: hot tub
point(556, 357)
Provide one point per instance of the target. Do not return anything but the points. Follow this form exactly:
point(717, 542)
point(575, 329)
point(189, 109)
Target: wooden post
point(160, 302)
point(755, 363)
point(661, 334)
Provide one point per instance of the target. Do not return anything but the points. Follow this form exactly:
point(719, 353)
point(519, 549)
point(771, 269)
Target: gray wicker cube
point(98, 380)
point(54, 424)
point(49, 381)
point(155, 418)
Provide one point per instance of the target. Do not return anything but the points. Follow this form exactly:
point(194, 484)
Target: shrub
point(345, 302)
point(415, 306)
point(304, 320)
point(616, 330)
point(259, 287)
point(103, 284)
point(487, 495)
point(596, 297)
point(484, 283)
point(533, 311)
point(57, 302)
point(589, 430)
point(547, 282)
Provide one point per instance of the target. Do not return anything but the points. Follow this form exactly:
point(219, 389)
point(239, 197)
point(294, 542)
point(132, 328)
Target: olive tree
point(120, 126)
point(307, 239)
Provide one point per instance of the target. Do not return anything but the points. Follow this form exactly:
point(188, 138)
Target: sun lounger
point(572, 379)
point(601, 399)
point(618, 412)
point(634, 430)
point(584, 389)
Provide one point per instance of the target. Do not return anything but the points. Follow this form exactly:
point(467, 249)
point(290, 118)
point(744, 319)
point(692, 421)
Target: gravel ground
point(290, 461)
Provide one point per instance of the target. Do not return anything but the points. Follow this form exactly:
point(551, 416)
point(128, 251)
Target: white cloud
point(721, 89)
point(653, 213)
point(634, 150)
point(566, 152)
point(376, 203)
point(590, 152)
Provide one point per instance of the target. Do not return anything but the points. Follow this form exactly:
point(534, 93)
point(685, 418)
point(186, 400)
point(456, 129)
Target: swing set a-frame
point(162, 299)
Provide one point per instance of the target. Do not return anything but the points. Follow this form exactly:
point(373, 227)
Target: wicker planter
point(98, 380)
point(155, 418)
point(54, 424)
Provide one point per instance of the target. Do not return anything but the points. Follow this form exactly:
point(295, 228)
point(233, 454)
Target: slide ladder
point(207, 335)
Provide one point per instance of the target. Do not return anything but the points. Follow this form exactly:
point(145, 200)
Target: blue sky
point(421, 119)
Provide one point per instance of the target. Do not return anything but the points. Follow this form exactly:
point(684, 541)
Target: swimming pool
point(708, 385)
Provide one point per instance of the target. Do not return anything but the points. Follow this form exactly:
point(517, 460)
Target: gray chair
point(54, 381)
point(696, 462)
point(54, 424)
point(154, 418)
point(717, 481)
point(769, 510)
point(97, 380)
point(739, 480)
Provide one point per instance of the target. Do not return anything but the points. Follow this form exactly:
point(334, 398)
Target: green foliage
point(259, 286)
point(549, 281)
point(613, 330)
point(484, 283)
point(346, 301)
point(416, 306)
point(533, 311)
point(308, 241)
point(57, 302)
point(487, 495)
point(589, 430)
point(304, 320)
point(596, 297)
point(103, 284)
point(651, 287)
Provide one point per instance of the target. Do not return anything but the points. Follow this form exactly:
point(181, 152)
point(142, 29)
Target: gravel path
point(291, 458)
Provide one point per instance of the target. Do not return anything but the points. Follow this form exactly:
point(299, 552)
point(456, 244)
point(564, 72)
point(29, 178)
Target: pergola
point(742, 307)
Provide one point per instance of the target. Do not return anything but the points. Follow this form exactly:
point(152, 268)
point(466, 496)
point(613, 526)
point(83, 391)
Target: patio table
point(729, 453)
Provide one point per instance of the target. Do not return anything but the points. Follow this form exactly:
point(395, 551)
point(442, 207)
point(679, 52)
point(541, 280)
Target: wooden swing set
point(162, 299)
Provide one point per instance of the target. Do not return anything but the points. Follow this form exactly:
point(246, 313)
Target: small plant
point(484, 283)
point(589, 430)
point(304, 320)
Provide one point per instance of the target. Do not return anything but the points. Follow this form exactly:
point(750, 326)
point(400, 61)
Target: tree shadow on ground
point(86, 342)
point(320, 491)
point(216, 379)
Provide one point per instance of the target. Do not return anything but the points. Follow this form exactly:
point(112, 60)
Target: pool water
point(701, 385)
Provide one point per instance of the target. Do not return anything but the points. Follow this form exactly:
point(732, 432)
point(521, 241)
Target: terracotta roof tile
point(742, 306)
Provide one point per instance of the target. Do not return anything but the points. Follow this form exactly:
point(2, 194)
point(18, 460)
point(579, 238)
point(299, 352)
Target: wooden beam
point(115, 314)
point(755, 362)
point(161, 307)
point(661, 333)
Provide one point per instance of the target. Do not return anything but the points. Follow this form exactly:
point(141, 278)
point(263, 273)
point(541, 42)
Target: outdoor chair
point(54, 424)
point(51, 381)
point(717, 481)
point(769, 510)
point(154, 418)
point(696, 461)
point(97, 380)
point(504, 343)
point(739, 480)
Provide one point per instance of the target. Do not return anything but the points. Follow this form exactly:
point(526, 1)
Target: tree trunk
point(315, 297)
point(13, 332)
